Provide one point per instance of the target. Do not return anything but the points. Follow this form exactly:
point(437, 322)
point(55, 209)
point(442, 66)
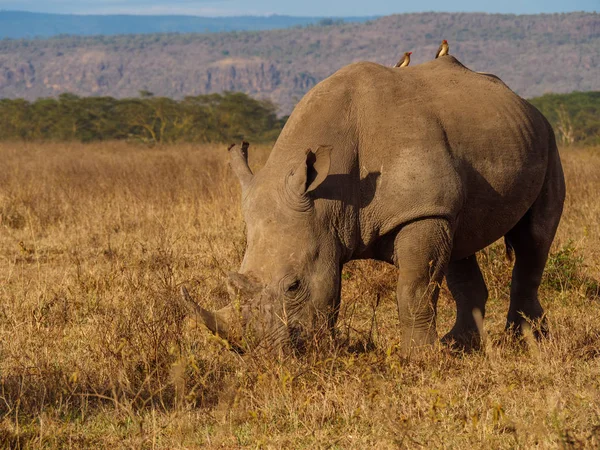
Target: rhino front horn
point(217, 321)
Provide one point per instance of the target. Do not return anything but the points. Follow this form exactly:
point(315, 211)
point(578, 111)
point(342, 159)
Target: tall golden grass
point(95, 350)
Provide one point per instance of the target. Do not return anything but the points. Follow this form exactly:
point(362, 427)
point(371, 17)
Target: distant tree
point(564, 126)
point(575, 117)
point(14, 119)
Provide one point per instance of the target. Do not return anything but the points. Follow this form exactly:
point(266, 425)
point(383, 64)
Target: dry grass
point(95, 351)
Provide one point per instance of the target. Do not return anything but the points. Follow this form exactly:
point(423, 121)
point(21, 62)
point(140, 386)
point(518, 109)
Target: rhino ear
point(239, 163)
point(312, 171)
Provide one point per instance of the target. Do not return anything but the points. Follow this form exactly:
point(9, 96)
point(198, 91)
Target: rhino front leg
point(421, 253)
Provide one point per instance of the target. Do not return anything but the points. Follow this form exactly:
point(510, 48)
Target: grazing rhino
point(421, 168)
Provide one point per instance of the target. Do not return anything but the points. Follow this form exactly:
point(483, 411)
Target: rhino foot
point(538, 327)
point(465, 340)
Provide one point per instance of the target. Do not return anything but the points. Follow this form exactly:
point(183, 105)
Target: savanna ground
point(96, 352)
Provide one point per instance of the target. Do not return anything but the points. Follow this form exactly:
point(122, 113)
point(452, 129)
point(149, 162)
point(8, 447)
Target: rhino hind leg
point(421, 253)
point(470, 293)
point(525, 307)
point(531, 239)
point(531, 252)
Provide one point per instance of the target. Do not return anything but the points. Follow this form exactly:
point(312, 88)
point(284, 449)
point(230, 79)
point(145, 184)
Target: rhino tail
point(510, 251)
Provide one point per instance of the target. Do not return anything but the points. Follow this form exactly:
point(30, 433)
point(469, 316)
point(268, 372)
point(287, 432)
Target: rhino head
point(287, 290)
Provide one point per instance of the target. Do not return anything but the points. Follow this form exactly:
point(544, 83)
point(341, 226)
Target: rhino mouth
point(297, 340)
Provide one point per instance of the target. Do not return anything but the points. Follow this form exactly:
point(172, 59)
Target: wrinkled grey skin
point(420, 167)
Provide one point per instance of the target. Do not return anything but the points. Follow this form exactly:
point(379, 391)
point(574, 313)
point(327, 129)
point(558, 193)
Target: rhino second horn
point(214, 321)
point(239, 164)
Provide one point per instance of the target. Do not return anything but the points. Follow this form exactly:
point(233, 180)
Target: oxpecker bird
point(443, 50)
point(405, 61)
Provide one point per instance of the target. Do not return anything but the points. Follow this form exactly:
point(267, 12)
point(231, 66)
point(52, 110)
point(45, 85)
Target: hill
point(21, 24)
point(534, 55)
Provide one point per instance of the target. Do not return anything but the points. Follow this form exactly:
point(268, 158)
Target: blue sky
point(295, 7)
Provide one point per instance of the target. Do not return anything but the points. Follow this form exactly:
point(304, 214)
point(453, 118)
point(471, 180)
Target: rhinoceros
point(422, 168)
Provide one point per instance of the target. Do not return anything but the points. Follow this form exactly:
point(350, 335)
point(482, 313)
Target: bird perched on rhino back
point(404, 61)
point(443, 50)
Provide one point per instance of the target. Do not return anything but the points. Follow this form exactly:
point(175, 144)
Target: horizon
point(308, 8)
point(267, 15)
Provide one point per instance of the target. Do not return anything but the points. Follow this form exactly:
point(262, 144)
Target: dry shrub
point(95, 350)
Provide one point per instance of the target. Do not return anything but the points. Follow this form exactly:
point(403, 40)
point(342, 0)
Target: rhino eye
point(293, 287)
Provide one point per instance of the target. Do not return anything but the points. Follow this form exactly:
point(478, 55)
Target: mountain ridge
point(533, 54)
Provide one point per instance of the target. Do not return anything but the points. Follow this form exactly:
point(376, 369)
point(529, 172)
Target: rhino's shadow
point(342, 187)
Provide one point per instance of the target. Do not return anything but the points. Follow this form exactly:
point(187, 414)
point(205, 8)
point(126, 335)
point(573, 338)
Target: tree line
point(226, 117)
point(575, 117)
